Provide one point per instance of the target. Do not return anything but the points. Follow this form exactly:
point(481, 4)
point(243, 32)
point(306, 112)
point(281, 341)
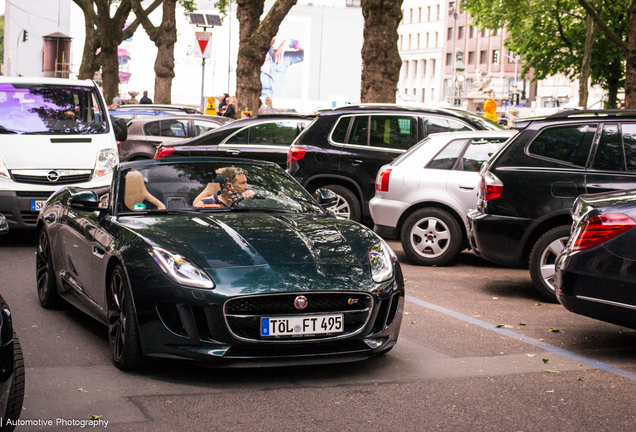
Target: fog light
point(374, 343)
point(4, 225)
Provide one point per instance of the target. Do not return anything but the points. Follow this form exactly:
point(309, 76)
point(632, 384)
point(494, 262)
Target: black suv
point(528, 187)
point(344, 148)
point(264, 137)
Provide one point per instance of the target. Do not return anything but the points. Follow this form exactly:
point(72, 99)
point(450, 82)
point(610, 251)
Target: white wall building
point(421, 46)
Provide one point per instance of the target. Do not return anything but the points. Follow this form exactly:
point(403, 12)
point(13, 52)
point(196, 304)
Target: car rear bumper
point(497, 238)
point(386, 214)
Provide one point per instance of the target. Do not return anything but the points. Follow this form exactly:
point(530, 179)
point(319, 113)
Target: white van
point(53, 133)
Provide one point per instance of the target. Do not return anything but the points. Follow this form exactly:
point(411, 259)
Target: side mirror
point(4, 225)
point(87, 201)
point(120, 127)
point(325, 197)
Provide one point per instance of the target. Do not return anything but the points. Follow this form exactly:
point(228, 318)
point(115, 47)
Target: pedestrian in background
point(223, 103)
point(231, 108)
point(145, 99)
point(117, 99)
point(267, 108)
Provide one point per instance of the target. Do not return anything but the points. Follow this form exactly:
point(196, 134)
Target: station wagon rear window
point(50, 109)
point(570, 144)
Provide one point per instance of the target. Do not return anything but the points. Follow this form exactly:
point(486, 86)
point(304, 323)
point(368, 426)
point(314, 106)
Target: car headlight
point(4, 172)
point(380, 259)
point(181, 270)
point(106, 162)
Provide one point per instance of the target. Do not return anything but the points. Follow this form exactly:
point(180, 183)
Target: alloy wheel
point(341, 208)
point(548, 259)
point(430, 237)
point(117, 316)
point(43, 264)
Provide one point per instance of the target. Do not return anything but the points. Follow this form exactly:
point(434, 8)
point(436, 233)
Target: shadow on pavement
point(19, 238)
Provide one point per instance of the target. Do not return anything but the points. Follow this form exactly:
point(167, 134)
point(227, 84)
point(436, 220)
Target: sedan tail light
point(295, 154)
point(164, 152)
point(119, 143)
point(599, 229)
point(382, 180)
point(491, 186)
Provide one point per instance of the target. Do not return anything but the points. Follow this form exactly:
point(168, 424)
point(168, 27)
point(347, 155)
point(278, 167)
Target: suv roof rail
point(593, 113)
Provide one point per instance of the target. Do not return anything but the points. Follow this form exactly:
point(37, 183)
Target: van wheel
point(347, 204)
point(543, 258)
point(431, 236)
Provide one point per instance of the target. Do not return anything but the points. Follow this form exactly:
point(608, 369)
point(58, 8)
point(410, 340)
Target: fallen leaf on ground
point(554, 330)
point(95, 417)
point(538, 304)
point(80, 389)
point(552, 371)
point(545, 360)
point(407, 313)
point(549, 391)
point(580, 379)
point(499, 325)
point(530, 355)
point(522, 323)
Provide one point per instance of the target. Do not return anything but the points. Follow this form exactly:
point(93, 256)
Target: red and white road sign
point(203, 44)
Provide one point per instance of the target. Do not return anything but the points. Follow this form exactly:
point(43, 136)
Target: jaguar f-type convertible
point(222, 261)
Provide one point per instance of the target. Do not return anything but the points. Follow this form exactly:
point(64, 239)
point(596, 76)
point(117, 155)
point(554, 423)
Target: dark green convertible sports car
point(223, 261)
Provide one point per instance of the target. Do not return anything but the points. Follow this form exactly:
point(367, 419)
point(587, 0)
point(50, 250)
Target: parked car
point(129, 112)
point(11, 371)
point(264, 137)
point(344, 148)
point(529, 186)
point(146, 133)
point(271, 279)
point(55, 132)
point(423, 196)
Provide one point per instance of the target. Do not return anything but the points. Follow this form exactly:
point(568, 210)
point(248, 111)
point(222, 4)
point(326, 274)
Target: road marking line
point(530, 341)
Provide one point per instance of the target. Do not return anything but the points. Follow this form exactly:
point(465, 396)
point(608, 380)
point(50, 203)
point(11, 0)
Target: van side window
point(570, 144)
point(609, 154)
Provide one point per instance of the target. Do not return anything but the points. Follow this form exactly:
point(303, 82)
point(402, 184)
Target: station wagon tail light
point(164, 152)
point(294, 154)
point(382, 180)
point(599, 229)
point(181, 270)
point(491, 186)
point(106, 162)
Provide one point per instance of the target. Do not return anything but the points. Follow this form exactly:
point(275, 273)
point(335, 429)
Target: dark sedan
point(145, 134)
point(265, 137)
point(219, 260)
point(596, 272)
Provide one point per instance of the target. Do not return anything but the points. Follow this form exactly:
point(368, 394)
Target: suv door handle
point(467, 186)
point(355, 162)
point(233, 152)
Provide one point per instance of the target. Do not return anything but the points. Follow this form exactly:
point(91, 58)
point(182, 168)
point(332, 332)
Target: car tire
point(347, 205)
point(45, 273)
point(431, 236)
point(543, 257)
point(123, 331)
point(16, 391)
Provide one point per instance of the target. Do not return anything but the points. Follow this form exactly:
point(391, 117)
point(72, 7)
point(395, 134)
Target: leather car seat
point(136, 192)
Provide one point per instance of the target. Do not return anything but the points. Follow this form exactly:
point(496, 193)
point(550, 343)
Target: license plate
point(298, 326)
point(37, 205)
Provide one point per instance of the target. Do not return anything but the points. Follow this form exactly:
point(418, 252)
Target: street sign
point(203, 44)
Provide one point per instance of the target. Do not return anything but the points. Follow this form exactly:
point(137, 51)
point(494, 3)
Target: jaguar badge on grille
point(300, 302)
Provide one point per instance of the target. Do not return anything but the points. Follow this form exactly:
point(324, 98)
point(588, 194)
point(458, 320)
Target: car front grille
point(42, 180)
point(243, 314)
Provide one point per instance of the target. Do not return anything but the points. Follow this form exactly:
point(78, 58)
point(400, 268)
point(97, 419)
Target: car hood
point(264, 248)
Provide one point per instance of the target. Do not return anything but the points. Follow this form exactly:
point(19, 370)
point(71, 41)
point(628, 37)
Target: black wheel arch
point(540, 227)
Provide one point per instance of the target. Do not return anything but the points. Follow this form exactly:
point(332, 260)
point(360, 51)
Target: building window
point(428, 16)
point(436, 39)
point(437, 12)
point(495, 56)
point(471, 57)
point(423, 72)
point(414, 68)
point(406, 68)
point(402, 22)
point(432, 67)
point(498, 32)
point(414, 92)
point(449, 58)
point(423, 95)
point(451, 8)
point(460, 32)
point(406, 91)
point(427, 35)
point(409, 41)
point(449, 33)
point(401, 40)
point(418, 41)
point(432, 94)
point(483, 57)
point(471, 32)
point(511, 57)
point(410, 15)
point(419, 14)
point(484, 33)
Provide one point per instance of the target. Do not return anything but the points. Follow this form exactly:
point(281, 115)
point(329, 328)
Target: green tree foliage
point(550, 36)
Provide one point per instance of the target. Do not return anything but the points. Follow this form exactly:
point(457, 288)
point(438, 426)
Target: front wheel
point(347, 204)
point(431, 236)
point(123, 332)
point(45, 273)
point(543, 259)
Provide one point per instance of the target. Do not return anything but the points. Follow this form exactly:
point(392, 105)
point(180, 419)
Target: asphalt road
point(475, 354)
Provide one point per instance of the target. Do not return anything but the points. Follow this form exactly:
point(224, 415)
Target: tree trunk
point(90, 63)
point(630, 68)
point(255, 38)
point(612, 93)
point(586, 68)
point(380, 57)
point(164, 63)
point(110, 72)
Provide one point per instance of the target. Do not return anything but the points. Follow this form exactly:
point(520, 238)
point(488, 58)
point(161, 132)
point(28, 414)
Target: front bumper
point(498, 239)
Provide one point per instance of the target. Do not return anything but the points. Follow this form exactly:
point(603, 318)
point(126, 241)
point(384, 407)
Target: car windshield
point(50, 109)
point(209, 186)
